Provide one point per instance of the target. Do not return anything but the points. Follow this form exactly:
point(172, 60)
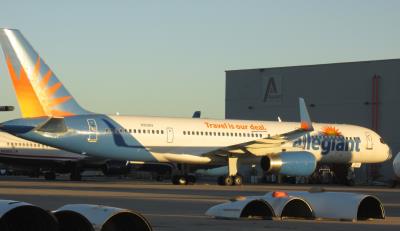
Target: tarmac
point(172, 207)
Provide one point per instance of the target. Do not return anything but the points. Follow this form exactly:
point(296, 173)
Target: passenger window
point(162, 131)
point(197, 133)
point(231, 133)
point(134, 130)
point(201, 133)
point(158, 132)
point(184, 133)
point(215, 134)
point(206, 133)
point(219, 134)
point(152, 131)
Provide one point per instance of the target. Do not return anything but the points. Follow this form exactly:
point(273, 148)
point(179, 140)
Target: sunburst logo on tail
point(35, 97)
point(331, 131)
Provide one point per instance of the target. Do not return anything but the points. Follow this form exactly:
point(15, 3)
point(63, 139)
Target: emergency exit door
point(92, 130)
point(170, 135)
point(370, 144)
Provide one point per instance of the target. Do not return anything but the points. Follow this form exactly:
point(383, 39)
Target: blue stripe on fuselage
point(113, 145)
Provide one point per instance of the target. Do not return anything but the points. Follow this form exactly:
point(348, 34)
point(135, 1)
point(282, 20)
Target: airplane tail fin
point(38, 90)
point(305, 121)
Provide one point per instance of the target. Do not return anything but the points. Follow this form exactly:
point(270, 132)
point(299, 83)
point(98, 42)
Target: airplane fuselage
point(187, 140)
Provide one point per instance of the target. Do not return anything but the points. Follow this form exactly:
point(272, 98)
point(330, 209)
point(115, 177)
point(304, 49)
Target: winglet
point(305, 121)
point(196, 114)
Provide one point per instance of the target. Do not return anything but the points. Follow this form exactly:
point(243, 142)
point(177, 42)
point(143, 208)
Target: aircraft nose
point(389, 153)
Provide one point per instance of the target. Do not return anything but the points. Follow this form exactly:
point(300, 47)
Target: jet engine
point(115, 167)
point(290, 163)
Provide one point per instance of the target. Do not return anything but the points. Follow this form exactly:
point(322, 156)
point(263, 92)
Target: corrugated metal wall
point(339, 93)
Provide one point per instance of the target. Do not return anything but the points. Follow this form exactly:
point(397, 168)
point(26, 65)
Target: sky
point(168, 58)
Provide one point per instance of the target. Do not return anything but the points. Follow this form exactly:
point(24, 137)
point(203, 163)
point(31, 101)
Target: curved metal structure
point(18, 216)
point(302, 205)
point(102, 218)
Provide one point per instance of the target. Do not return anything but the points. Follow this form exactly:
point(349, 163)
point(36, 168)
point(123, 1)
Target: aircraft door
point(92, 130)
point(170, 135)
point(370, 144)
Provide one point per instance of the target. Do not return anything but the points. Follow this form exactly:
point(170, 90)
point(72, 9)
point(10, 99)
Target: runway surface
point(170, 207)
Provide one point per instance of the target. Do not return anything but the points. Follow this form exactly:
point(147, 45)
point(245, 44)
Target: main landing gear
point(183, 178)
point(232, 178)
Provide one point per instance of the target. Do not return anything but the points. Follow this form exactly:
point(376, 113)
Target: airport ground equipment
point(315, 204)
point(21, 216)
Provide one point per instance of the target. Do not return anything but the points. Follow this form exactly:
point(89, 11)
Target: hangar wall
point(363, 93)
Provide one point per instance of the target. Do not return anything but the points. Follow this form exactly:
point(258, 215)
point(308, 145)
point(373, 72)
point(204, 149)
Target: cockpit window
point(382, 141)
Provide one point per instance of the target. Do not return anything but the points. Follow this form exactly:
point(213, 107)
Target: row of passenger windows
point(32, 145)
point(233, 134)
point(193, 133)
point(144, 131)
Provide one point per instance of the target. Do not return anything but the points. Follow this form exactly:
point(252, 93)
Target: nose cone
point(389, 156)
point(388, 153)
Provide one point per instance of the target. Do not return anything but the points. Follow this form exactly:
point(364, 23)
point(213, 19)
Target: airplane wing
point(274, 144)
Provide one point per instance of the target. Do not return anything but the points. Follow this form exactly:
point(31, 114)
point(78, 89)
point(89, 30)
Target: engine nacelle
point(85, 217)
point(114, 167)
point(16, 216)
point(290, 163)
point(396, 165)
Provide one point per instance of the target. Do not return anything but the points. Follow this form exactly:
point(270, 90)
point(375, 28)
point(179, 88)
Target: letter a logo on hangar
point(271, 91)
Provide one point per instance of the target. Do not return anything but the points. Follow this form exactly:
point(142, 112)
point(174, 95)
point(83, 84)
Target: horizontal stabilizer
point(53, 125)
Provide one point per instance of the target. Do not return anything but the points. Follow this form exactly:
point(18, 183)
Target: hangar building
point(363, 93)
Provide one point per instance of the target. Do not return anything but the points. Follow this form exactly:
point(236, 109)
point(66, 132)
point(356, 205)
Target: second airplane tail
point(38, 90)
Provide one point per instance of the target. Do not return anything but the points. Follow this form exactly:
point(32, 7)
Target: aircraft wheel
point(191, 179)
point(228, 180)
point(50, 176)
point(237, 180)
point(179, 180)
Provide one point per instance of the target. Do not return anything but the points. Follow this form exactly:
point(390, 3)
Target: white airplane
point(34, 157)
point(53, 117)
